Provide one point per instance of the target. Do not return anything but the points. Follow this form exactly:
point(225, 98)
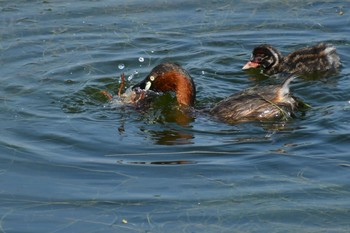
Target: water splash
point(141, 59)
point(131, 76)
point(121, 66)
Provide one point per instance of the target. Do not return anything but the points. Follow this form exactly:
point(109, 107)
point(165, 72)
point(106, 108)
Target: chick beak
point(250, 64)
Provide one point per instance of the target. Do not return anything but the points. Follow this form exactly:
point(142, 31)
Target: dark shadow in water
point(175, 162)
point(171, 137)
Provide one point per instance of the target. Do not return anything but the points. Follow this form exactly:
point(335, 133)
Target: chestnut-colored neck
point(181, 83)
point(172, 77)
point(185, 91)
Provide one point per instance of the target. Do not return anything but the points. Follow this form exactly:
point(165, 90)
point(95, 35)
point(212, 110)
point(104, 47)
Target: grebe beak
point(145, 84)
point(250, 64)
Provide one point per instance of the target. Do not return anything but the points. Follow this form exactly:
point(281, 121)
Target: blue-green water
point(72, 162)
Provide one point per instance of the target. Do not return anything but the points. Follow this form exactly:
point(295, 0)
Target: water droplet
point(141, 59)
point(203, 72)
point(132, 75)
point(121, 66)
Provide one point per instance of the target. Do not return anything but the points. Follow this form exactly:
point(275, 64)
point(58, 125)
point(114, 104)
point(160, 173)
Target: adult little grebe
point(319, 58)
point(170, 77)
point(258, 103)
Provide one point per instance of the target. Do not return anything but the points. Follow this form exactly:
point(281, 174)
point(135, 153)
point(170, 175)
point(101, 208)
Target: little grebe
point(319, 58)
point(258, 103)
point(170, 77)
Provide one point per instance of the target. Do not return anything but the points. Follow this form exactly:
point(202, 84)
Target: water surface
point(72, 162)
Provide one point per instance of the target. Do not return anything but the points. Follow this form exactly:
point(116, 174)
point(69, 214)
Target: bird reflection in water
point(173, 125)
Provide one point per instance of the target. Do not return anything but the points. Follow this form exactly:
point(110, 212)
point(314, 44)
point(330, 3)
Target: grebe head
point(264, 56)
point(170, 77)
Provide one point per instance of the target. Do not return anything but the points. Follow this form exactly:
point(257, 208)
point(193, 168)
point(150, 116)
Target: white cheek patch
point(148, 85)
point(274, 54)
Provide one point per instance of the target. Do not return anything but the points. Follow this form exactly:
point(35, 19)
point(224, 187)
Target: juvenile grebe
point(319, 58)
point(258, 103)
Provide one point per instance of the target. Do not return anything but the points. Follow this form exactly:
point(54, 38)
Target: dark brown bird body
point(261, 103)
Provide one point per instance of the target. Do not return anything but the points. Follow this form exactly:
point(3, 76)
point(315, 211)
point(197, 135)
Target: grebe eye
point(258, 59)
point(152, 78)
